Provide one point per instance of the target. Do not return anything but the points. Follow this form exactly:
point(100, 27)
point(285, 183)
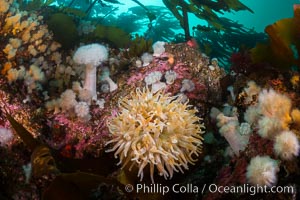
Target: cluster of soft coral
point(261, 142)
point(197, 78)
point(270, 65)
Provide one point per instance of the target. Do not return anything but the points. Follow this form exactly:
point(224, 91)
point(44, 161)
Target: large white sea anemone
point(155, 130)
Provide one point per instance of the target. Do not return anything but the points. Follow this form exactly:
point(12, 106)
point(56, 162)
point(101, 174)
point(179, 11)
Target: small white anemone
point(153, 77)
point(158, 48)
point(286, 145)
point(146, 58)
point(82, 111)
point(262, 171)
point(187, 85)
point(170, 77)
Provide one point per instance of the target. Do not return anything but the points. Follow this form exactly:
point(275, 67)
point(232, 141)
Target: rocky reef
point(88, 120)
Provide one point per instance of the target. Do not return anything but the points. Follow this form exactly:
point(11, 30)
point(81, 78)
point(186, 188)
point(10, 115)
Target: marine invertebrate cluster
point(152, 130)
point(28, 50)
point(153, 79)
point(271, 123)
point(269, 118)
point(272, 115)
point(180, 70)
point(161, 133)
point(155, 130)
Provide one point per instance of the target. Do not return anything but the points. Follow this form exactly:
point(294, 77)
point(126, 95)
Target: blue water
point(131, 16)
point(265, 12)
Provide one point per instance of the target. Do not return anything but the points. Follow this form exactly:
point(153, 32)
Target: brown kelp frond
point(282, 50)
